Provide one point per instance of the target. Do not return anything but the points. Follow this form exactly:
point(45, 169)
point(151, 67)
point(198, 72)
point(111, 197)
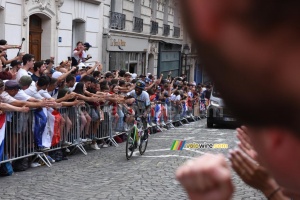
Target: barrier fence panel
point(18, 136)
point(101, 127)
point(23, 133)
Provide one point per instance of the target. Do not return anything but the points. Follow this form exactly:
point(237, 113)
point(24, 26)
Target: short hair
point(53, 81)
point(48, 61)
point(114, 81)
point(122, 73)
point(3, 42)
point(69, 78)
point(27, 58)
point(43, 80)
point(104, 87)
point(37, 65)
point(108, 75)
point(122, 83)
point(85, 79)
point(96, 73)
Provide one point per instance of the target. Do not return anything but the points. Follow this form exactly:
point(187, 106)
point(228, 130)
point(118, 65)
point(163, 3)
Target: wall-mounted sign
point(129, 44)
point(117, 42)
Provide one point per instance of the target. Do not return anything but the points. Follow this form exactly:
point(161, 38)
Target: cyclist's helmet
point(140, 84)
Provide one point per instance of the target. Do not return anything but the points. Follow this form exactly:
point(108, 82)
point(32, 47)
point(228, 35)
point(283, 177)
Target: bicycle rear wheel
point(144, 143)
point(130, 143)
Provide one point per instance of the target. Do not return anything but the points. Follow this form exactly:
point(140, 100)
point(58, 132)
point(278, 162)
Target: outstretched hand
point(245, 142)
point(254, 174)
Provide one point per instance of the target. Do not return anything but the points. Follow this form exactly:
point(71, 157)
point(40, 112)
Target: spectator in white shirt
point(28, 63)
point(41, 84)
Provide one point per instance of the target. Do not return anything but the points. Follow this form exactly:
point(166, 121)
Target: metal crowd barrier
point(101, 127)
point(66, 129)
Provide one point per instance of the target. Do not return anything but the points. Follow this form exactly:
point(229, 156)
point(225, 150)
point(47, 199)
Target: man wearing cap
point(86, 56)
point(8, 107)
point(24, 84)
point(49, 72)
point(11, 89)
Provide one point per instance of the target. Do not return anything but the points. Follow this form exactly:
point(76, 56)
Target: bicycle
point(135, 138)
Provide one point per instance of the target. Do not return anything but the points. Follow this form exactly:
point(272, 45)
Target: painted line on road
point(166, 156)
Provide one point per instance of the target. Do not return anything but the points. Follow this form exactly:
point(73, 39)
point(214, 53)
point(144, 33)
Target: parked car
point(217, 112)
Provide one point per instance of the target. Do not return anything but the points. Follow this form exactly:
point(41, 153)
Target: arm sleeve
point(5, 75)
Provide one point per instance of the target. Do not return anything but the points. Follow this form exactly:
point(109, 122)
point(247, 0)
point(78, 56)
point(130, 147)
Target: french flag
point(2, 134)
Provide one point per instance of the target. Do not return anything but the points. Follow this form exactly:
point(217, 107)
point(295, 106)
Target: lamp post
point(186, 51)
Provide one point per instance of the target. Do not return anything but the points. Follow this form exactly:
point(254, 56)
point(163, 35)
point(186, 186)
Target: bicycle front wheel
point(144, 143)
point(130, 143)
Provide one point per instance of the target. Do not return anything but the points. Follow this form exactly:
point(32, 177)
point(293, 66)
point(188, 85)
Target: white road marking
point(166, 156)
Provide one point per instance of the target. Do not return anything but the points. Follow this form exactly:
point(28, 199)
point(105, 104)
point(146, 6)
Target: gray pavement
point(106, 174)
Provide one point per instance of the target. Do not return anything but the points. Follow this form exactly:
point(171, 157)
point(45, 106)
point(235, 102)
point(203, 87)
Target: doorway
point(35, 36)
point(132, 67)
point(78, 32)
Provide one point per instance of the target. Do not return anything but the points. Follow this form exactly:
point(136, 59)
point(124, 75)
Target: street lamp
point(186, 51)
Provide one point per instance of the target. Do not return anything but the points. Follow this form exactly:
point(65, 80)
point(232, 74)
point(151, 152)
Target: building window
point(176, 32)
point(166, 30)
point(138, 24)
point(117, 19)
point(154, 28)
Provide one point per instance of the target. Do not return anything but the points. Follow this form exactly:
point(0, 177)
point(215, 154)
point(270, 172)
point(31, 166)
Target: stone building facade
point(52, 27)
point(142, 36)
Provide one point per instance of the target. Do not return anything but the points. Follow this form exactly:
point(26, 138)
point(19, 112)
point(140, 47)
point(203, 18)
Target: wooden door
point(35, 36)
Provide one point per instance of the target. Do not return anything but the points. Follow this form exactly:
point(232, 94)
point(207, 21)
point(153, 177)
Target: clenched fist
point(206, 178)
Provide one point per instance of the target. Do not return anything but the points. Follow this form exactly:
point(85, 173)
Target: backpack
point(20, 165)
point(6, 168)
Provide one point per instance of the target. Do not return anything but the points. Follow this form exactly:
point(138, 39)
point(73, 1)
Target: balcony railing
point(176, 32)
point(154, 28)
point(117, 20)
point(166, 30)
point(138, 24)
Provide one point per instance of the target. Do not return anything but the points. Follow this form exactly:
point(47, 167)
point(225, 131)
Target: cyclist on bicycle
point(142, 101)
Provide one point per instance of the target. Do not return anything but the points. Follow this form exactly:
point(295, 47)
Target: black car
point(217, 112)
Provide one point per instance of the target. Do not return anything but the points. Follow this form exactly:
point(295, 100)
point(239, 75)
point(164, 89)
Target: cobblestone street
point(106, 174)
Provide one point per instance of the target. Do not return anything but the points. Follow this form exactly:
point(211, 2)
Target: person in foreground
point(251, 51)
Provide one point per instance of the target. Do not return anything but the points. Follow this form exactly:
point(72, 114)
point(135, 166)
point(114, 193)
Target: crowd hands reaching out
point(209, 177)
point(28, 84)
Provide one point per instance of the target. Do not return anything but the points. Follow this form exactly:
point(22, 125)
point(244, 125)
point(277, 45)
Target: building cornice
point(146, 36)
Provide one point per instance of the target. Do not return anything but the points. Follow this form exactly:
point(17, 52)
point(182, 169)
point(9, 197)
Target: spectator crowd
point(41, 87)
